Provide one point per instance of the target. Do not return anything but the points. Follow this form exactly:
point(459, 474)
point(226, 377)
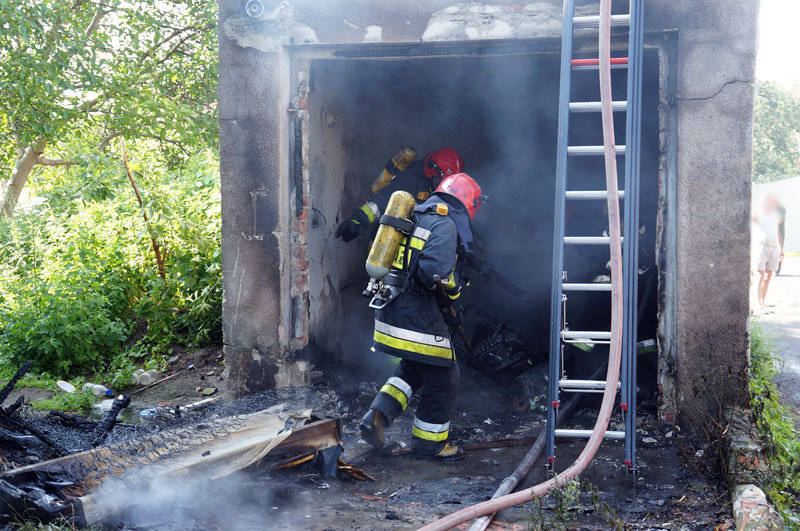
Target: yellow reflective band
point(451, 281)
point(410, 346)
point(418, 244)
point(368, 211)
point(454, 297)
point(401, 250)
point(428, 435)
point(397, 394)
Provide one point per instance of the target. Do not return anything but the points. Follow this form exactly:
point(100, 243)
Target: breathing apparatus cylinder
point(384, 248)
point(396, 164)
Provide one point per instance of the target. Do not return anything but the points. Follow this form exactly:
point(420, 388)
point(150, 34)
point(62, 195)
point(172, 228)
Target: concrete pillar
point(253, 154)
point(716, 54)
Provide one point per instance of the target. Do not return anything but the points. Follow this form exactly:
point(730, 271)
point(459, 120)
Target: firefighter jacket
point(412, 326)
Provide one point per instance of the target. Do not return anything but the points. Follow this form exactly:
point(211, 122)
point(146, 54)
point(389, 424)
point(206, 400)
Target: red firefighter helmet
point(443, 162)
point(465, 189)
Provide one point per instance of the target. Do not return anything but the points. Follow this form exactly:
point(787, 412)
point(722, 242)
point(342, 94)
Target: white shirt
point(768, 223)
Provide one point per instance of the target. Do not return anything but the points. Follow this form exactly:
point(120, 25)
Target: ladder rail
point(631, 209)
point(559, 227)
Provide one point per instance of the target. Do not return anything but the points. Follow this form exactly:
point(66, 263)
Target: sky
point(779, 43)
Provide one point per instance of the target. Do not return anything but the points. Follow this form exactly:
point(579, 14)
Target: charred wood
point(105, 425)
point(22, 371)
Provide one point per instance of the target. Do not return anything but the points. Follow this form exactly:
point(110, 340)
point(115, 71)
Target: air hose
point(615, 349)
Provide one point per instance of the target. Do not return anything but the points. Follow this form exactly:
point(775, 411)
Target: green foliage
point(77, 402)
point(75, 73)
point(776, 134)
point(79, 291)
point(775, 427)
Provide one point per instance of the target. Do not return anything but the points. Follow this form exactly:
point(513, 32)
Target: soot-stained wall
point(706, 53)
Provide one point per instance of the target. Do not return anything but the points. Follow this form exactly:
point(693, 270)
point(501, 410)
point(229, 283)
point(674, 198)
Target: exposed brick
point(300, 227)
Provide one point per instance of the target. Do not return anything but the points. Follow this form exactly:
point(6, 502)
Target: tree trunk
point(12, 188)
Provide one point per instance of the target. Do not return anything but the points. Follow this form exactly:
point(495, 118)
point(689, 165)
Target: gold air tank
point(396, 164)
point(387, 241)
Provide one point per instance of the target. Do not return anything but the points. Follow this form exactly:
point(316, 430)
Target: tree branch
point(55, 162)
point(95, 23)
point(156, 248)
point(104, 143)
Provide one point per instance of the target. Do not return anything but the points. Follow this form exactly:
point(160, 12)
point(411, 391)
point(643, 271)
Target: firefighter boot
point(371, 427)
point(448, 452)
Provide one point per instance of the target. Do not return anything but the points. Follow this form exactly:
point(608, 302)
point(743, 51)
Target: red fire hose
point(615, 350)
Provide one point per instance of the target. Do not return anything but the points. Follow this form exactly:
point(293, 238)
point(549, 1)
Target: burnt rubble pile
point(59, 466)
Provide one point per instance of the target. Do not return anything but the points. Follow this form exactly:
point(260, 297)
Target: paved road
point(783, 325)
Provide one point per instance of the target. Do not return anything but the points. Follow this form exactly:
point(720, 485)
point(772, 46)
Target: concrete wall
point(714, 105)
point(266, 201)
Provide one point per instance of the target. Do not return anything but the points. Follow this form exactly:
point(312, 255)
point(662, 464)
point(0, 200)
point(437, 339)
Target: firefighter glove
point(358, 224)
point(348, 230)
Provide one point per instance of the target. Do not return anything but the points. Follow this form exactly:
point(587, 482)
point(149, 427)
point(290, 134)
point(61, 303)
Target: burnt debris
point(498, 350)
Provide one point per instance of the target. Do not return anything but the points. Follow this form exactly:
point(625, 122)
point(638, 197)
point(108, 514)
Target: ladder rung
point(595, 106)
point(572, 334)
point(585, 434)
point(594, 21)
point(597, 67)
point(592, 194)
point(596, 286)
point(585, 151)
point(615, 61)
point(585, 385)
point(588, 240)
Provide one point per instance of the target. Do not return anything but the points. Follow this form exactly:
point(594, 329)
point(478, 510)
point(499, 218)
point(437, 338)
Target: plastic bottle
point(96, 389)
point(136, 375)
point(148, 377)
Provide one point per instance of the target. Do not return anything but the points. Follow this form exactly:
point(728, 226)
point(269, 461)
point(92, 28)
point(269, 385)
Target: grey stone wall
point(714, 99)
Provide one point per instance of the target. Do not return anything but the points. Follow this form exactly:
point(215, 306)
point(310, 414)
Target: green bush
point(79, 289)
point(775, 426)
point(78, 402)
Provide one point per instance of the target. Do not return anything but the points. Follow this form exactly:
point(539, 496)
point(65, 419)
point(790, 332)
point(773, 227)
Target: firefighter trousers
point(439, 386)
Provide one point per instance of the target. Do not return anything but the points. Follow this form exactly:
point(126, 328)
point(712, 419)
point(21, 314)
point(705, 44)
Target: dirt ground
point(668, 492)
point(671, 490)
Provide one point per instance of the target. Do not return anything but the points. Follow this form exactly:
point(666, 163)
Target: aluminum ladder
point(560, 334)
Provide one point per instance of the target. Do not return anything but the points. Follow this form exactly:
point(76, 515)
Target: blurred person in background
point(770, 245)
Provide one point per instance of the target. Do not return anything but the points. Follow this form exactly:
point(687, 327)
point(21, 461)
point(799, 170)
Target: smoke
point(501, 114)
point(239, 501)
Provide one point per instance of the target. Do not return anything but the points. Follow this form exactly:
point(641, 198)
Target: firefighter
point(414, 328)
point(419, 179)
